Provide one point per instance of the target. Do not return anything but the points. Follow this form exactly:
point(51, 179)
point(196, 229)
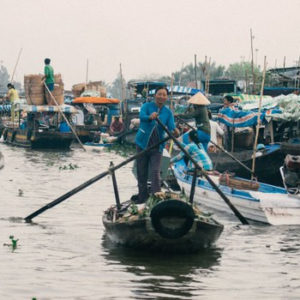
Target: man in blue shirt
point(149, 134)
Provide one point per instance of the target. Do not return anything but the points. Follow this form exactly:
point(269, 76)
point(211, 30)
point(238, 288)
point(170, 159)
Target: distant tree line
point(239, 71)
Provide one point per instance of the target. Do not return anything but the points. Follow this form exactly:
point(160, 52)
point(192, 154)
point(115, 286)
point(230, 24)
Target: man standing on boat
point(48, 77)
point(149, 134)
point(12, 95)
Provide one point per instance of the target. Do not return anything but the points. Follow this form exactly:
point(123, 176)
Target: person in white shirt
point(215, 130)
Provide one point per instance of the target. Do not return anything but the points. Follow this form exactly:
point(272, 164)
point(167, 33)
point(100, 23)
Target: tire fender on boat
point(165, 210)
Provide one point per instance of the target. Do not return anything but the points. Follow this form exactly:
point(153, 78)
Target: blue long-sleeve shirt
point(147, 126)
point(198, 154)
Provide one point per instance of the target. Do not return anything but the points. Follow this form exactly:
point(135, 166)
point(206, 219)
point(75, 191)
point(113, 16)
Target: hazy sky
point(146, 36)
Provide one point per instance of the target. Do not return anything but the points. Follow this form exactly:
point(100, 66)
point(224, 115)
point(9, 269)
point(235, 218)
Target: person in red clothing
point(116, 127)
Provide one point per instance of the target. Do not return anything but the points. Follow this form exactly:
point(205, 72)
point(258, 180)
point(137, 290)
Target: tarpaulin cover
point(48, 108)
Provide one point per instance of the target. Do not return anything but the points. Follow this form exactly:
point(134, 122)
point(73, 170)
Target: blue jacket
point(147, 126)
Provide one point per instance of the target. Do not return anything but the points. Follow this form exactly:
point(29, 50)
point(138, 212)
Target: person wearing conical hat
point(199, 111)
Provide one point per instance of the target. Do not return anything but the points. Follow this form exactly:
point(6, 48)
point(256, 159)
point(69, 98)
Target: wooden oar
point(232, 207)
point(220, 148)
point(89, 182)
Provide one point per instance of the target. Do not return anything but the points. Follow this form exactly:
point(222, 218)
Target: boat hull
point(37, 139)
point(140, 234)
point(266, 166)
point(270, 204)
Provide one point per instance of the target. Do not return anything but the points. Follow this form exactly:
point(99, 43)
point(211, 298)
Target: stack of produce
point(78, 89)
point(34, 89)
point(57, 93)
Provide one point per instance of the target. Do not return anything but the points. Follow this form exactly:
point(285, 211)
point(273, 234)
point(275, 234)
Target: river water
point(64, 254)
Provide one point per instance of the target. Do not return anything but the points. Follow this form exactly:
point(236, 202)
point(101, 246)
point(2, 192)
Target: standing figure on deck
point(149, 134)
point(228, 102)
point(215, 132)
point(48, 77)
point(200, 114)
point(12, 95)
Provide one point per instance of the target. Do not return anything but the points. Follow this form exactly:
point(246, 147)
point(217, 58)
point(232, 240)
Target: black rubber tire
point(172, 208)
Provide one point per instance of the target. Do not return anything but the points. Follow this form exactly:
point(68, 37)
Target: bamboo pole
point(252, 63)
point(121, 78)
point(171, 96)
point(196, 84)
point(258, 116)
point(87, 73)
point(64, 116)
point(207, 75)
point(14, 71)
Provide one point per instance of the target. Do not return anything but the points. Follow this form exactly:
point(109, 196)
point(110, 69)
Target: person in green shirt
point(48, 74)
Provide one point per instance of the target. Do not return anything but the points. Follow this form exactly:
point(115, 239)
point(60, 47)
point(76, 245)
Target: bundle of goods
point(35, 93)
point(78, 89)
point(34, 89)
point(57, 93)
point(97, 86)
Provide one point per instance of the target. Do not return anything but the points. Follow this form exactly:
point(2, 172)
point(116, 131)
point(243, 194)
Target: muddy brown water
point(64, 254)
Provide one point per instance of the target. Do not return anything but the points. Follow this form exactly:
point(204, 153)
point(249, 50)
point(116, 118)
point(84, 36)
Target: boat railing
point(290, 190)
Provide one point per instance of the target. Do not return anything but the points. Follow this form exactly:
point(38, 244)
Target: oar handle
point(232, 207)
point(89, 182)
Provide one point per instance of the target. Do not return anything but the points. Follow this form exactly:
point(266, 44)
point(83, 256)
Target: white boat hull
point(270, 204)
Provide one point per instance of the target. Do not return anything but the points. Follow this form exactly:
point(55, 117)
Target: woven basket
point(34, 89)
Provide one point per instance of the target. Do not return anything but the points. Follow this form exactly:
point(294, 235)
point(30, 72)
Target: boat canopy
point(180, 90)
point(95, 100)
point(49, 108)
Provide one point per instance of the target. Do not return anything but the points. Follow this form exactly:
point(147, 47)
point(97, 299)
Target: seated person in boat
point(197, 152)
point(116, 126)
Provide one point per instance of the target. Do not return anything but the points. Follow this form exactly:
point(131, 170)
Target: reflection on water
point(162, 274)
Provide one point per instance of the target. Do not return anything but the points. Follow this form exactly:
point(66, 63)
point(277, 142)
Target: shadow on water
point(162, 275)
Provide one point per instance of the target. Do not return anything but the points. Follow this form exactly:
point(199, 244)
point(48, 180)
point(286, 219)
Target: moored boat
point(165, 223)
point(268, 161)
point(41, 127)
point(261, 202)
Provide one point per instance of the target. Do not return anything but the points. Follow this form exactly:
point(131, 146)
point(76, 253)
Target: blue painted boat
point(267, 203)
point(267, 163)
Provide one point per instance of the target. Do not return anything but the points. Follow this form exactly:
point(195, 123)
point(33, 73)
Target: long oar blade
point(89, 182)
point(232, 207)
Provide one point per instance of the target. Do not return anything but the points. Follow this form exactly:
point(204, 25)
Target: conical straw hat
point(199, 99)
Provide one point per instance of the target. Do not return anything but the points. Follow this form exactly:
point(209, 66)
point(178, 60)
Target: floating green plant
point(123, 150)
point(14, 243)
point(70, 166)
